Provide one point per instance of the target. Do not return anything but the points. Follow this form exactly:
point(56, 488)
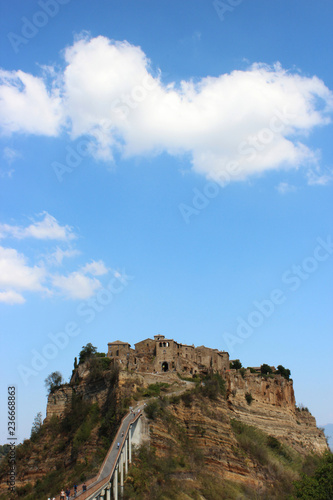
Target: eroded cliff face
point(91, 391)
point(273, 410)
point(208, 425)
point(205, 423)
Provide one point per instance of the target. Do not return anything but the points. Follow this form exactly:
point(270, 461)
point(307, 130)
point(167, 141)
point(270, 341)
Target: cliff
point(208, 434)
point(273, 410)
point(211, 424)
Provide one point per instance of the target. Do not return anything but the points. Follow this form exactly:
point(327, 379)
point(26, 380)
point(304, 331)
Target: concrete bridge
point(109, 484)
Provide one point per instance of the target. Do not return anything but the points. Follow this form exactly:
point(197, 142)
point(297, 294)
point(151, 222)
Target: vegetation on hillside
point(318, 485)
point(73, 447)
point(181, 470)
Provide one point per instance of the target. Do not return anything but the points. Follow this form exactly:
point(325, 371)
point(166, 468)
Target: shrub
point(213, 385)
point(53, 381)
point(187, 398)
point(235, 364)
point(36, 427)
point(242, 372)
point(152, 409)
point(154, 389)
point(87, 352)
point(318, 486)
point(277, 447)
point(251, 440)
point(97, 367)
point(249, 398)
point(265, 369)
point(285, 372)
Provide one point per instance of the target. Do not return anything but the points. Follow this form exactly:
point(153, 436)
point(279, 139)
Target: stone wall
point(161, 355)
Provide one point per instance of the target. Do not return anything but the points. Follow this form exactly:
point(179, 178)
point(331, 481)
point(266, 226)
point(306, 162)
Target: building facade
point(163, 355)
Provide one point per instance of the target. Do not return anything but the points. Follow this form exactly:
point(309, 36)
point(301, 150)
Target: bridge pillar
point(115, 484)
point(126, 457)
point(130, 444)
point(122, 473)
point(108, 492)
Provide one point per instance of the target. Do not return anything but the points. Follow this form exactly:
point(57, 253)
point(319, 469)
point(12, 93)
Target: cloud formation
point(231, 126)
point(46, 229)
point(18, 276)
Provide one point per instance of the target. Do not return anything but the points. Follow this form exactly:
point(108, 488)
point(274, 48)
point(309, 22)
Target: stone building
point(162, 355)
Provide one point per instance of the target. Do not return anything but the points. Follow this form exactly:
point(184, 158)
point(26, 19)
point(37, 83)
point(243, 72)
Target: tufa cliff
point(242, 431)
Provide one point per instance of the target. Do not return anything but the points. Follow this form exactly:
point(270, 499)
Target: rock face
point(60, 399)
point(207, 422)
point(273, 410)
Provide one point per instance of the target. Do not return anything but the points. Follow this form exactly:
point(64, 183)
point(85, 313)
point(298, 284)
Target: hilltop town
point(164, 355)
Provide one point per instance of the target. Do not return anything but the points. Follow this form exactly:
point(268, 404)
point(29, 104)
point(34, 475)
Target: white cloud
point(27, 106)
point(284, 188)
point(96, 268)
point(318, 177)
point(57, 257)
point(10, 155)
point(11, 298)
point(231, 126)
point(46, 229)
point(16, 274)
point(6, 173)
point(76, 285)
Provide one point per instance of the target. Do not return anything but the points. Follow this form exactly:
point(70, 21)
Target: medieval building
point(162, 355)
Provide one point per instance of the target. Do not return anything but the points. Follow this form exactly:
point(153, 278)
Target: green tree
point(37, 425)
point(249, 398)
point(285, 372)
point(265, 369)
point(87, 352)
point(235, 364)
point(53, 381)
point(319, 486)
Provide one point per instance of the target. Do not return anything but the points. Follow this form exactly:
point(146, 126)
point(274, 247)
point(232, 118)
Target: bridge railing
point(101, 486)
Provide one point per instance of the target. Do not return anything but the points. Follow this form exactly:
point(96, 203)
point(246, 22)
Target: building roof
point(118, 342)
point(145, 340)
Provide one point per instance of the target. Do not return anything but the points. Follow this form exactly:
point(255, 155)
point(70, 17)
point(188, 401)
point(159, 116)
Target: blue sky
point(166, 167)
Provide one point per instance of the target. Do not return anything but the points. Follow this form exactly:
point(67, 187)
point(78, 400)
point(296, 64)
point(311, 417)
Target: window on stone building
point(117, 353)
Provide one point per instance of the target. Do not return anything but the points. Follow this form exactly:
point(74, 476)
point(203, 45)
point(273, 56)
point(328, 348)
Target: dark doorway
point(165, 366)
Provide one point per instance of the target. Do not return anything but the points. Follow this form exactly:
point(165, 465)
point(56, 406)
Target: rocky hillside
point(244, 432)
point(273, 410)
